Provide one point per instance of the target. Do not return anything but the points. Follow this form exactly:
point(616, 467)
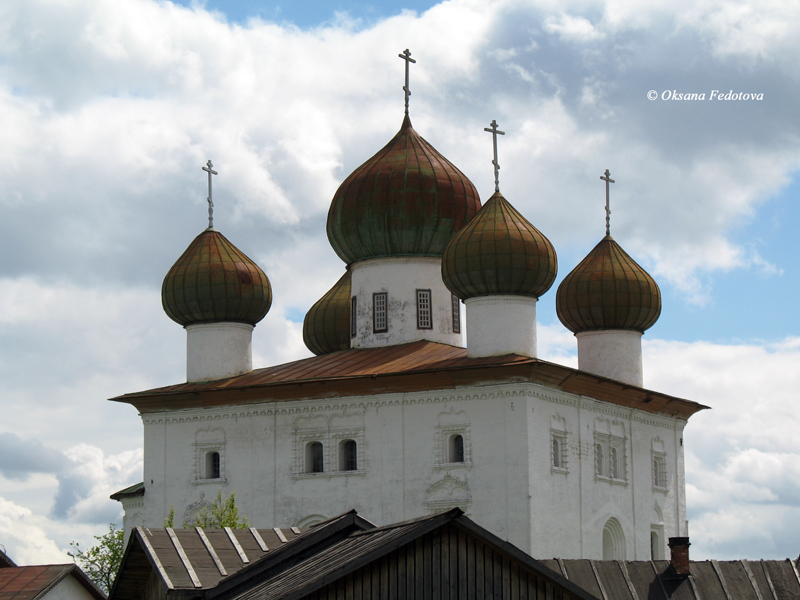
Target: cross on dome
point(210, 171)
point(406, 56)
point(495, 131)
point(607, 178)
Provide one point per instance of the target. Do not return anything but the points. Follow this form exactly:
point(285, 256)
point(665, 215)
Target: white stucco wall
point(400, 278)
point(500, 325)
point(68, 589)
point(507, 482)
point(218, 350)
point(614, 353)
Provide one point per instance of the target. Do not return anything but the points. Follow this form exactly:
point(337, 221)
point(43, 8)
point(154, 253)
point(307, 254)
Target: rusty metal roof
point(608, 290)
point(214, 281)
point(499, 252)
point(414, 367)
point(326, 327)
point(33, 582)
point(406, 200)
point(709, 580)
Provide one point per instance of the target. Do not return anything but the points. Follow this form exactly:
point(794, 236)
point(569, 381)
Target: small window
point(212, 465)
point(456, 314)
point(654, 546)
point(557, 453)
point(659, 472)
point(424, 319)
point(353, 306)
point(314, 458)
point(348, 456)
point(614, 464)
point(456, 453)
point(379, 322)
point(598, 459)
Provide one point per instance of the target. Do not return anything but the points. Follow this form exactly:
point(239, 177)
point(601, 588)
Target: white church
point(394, 416)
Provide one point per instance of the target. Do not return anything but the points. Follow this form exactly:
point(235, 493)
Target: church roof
point(406, 200)
point(326, 327)
point(608, 290)
point(499, 252)
point(214, 281)
point(415, 367)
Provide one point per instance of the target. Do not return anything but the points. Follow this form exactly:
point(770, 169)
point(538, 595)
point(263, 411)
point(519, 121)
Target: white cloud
point(110, 107)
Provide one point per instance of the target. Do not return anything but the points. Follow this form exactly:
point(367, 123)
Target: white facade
point(406, 282)
point(533, 465)
point(499, 325)
point(218, 350)
point(613, 353)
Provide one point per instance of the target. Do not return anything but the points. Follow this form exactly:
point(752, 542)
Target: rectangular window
point(424, 318)
point(379, 322)
point(353, 307)
point(456, 314)
point(659, 472)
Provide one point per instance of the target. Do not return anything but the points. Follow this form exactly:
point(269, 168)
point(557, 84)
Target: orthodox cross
point(494, 131)
point(406, 56)
point(607, 178)
point(210, 172)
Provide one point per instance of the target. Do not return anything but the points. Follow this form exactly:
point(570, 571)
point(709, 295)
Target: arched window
point(598, 459)
point(613, 541)
point(456, 453)
point(314, 458)
point(348, 455)
point(556, 453)
point(212, 465)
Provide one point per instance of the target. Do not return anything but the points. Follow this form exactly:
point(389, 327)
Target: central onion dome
point(499, 253)
point(608, 290)
point(212, 282)
point(406, 200)
point(326, 327)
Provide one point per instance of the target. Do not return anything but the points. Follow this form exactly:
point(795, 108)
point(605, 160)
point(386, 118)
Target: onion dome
point(499, 252)
point(326, 327)
point(406, 200)
point(214, 281)
point(608, 290)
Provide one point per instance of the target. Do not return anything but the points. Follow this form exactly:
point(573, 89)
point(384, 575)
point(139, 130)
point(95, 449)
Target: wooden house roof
point(709, 580)
point(413, 367)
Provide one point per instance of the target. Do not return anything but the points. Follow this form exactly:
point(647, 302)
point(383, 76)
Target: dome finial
point(494, 131)
point(406, 56)
point(607, 178)
point(210, 172)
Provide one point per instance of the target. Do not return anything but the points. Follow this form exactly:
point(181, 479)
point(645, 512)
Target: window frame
point(420, 296)
point(376, 297)
point(456, 302)
point(348, 459)
point(353, 312)
point(610, 458)
point(311, 460)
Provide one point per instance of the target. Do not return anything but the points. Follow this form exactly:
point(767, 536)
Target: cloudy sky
point(108, 109)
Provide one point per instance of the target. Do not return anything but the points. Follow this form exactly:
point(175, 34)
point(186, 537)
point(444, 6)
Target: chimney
point(679, 555)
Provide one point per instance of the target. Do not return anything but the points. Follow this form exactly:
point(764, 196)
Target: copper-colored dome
point(406, 200)
point(608, 290)
point(326, 327)
point(499, 252)
point(214, 281)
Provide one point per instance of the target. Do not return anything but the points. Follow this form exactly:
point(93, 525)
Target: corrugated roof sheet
point(417, 366)
point(710, 580)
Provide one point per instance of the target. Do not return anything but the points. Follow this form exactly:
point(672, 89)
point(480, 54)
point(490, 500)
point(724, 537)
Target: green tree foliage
point(101, 562)
point(222, 513)
point(170, 520)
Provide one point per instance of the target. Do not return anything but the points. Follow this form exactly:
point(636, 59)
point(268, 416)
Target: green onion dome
point(213, 281)
point(406, 200)
point(326, 327)
point(608, 290)
point(499, 252)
